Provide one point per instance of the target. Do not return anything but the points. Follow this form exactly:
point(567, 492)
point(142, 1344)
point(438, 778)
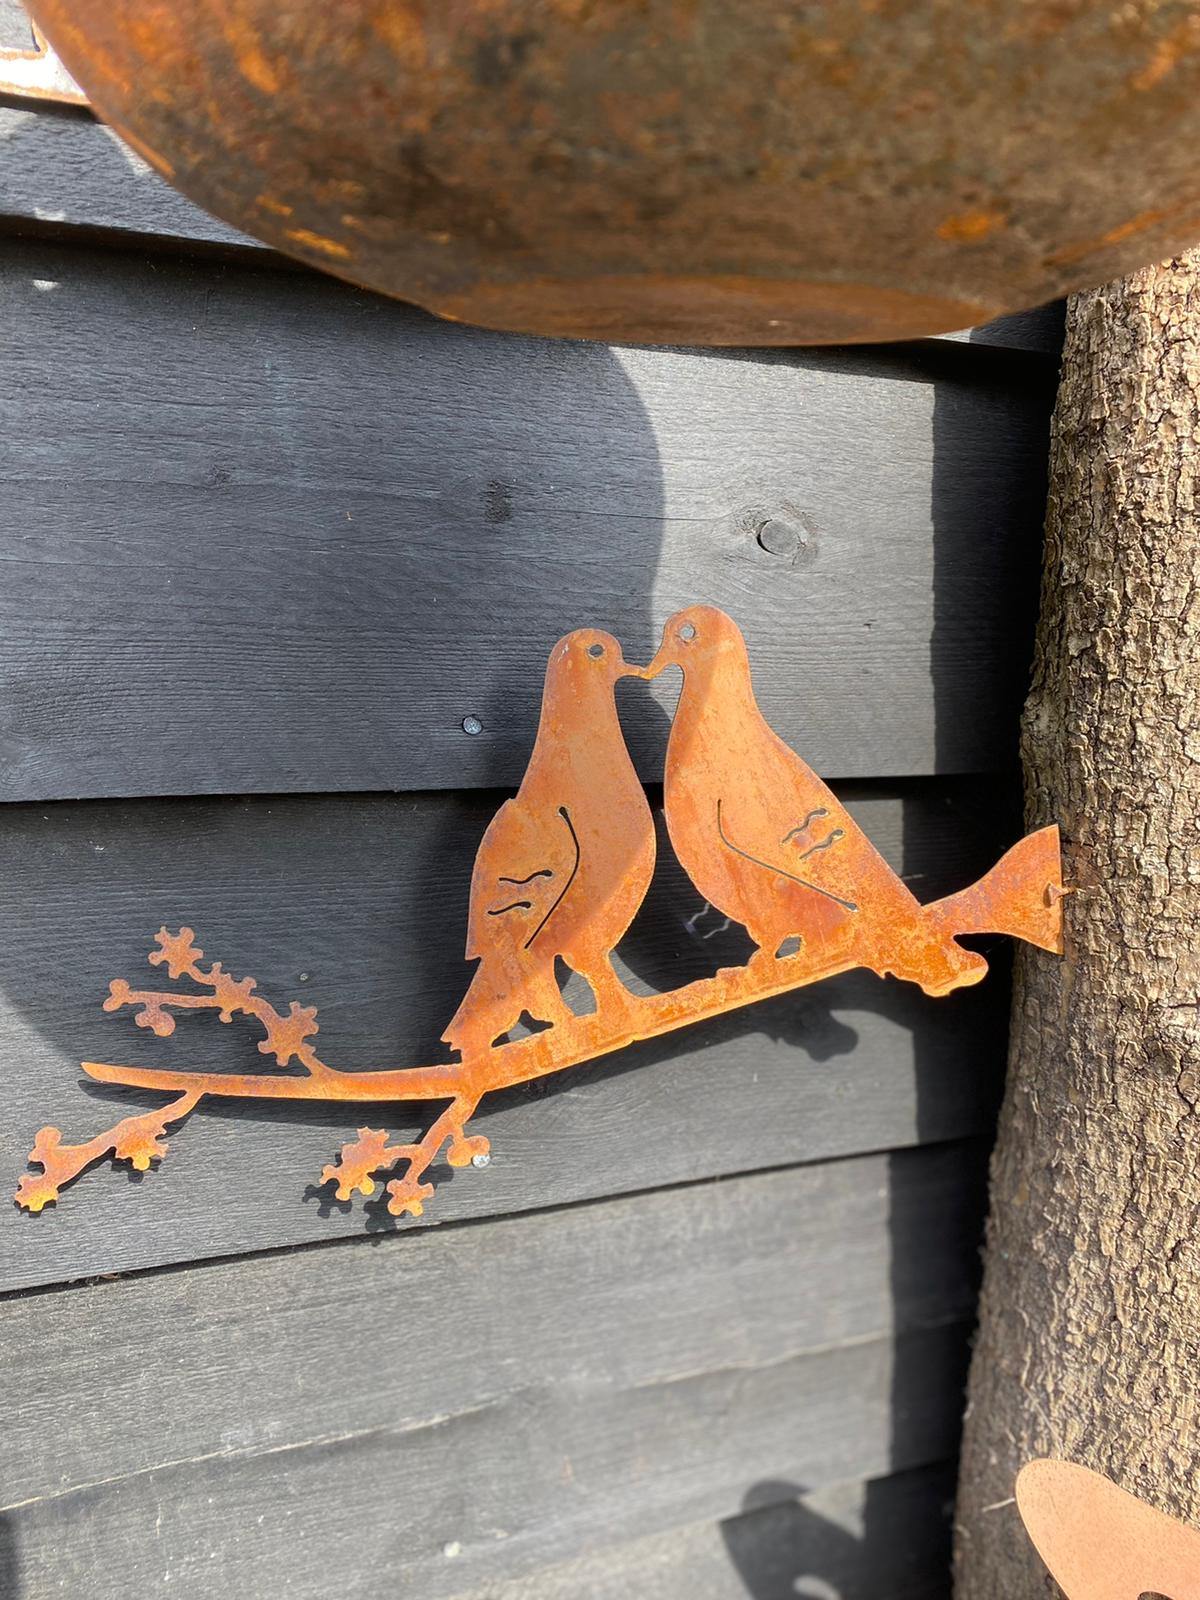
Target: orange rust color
point(666, 308)
point(675, 171)
point(969, 227)
point(1102, 1543)
point(1182, 41)
point(137, 1140)
point(560, 874)
point(315, 241)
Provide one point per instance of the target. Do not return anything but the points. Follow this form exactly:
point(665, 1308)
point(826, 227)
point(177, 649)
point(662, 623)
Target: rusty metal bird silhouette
point(560, 873)
point(770, 845)
point(565, 864)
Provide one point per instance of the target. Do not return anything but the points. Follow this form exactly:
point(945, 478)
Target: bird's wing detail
point(776, 866)
point(522, 869)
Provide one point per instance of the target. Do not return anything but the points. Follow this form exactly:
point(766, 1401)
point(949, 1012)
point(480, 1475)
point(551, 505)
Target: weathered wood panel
point(886, 1539)
point(1038, 330)
point(62, 172)
point(533, 1484)
point(521, 1390)
point(358, 906)
point(262, 533)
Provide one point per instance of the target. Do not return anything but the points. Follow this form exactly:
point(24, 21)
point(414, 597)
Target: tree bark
point(1089, 1340)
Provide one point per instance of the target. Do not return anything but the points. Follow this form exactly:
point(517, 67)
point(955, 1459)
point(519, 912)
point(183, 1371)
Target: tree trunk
point(1089, 1344)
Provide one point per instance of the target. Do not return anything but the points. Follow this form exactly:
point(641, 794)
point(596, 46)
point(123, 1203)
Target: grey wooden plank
point(1039, 329)
point(14, 25)
point(62, 172)
point(261, 533)
point(357, 905)
point(883, 1539)
point(424, 1511)
point(522, 1389)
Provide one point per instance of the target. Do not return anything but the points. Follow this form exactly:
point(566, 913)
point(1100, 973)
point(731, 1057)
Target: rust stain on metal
point(679, 170)
point(559, 877)
point(38, 74)
point(1102, 1543)
point(314, 241)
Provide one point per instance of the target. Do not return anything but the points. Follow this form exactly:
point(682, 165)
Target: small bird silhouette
point(766, 842)
point(565, 864)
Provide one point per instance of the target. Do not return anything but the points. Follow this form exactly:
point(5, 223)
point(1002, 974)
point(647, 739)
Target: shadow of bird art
point(565, 864)
point(767, 843)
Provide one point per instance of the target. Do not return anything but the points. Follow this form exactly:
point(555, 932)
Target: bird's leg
point(613, 999)
point(544, 1001)
point(763, 959)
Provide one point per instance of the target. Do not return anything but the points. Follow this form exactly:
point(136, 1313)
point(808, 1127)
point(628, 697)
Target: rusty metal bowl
point(696, 171)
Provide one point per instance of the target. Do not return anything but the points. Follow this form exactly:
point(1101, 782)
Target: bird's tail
point(466, 1030)
point(1022, 895)
point(486, 1011)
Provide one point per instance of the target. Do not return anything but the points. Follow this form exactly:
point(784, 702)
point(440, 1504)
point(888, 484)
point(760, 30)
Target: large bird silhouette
point(767, 843)
point(565, 864)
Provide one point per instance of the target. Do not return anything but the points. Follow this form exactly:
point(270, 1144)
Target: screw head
point(472, 725)
point(481, 1160)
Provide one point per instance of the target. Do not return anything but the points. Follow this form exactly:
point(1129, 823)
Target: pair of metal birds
point(565, 864)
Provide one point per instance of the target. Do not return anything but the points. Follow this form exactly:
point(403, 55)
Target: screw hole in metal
point(687, 633)
point(595, 651)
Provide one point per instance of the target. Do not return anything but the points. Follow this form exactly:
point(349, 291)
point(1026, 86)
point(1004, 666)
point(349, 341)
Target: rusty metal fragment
point(559, 877)
point(673, 171)
point(1101, 1543)
point(38, 74)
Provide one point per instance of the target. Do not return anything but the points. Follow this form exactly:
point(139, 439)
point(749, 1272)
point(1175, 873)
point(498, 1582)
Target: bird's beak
point(626, 669)
point(629, 670)
point(661, 660)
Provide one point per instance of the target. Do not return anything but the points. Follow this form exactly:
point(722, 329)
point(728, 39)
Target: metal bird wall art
point(564, 865)
point(559, 876)
point(1102, 1543)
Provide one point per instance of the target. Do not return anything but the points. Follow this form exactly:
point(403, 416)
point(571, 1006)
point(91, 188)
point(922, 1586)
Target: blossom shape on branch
point(356, 1162)
point(408, 1194)
point(177, 950)
point(286, 1035)
point(231, 994)
point(138, 1140)
point(37, 1189)
point(151, 1013)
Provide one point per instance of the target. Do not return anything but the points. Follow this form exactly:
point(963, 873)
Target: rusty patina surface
point(560, 874)
point(676, 170)
point(1101, 1543)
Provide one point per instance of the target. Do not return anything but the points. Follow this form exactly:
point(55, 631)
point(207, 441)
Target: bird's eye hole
point(687, 633)
point(595, 651)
